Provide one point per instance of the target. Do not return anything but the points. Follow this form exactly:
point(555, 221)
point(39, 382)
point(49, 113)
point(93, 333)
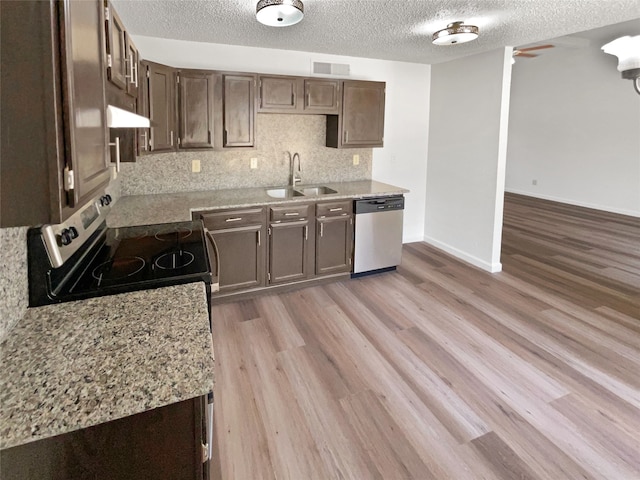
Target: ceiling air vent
point(322, 68)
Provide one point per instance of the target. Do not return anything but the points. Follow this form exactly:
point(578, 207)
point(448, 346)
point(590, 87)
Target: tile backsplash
point(275, 135)
point(14, 293)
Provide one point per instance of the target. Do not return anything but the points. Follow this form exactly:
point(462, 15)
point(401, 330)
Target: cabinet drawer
point(333, 209)
point(288, 212)
point(233, 218)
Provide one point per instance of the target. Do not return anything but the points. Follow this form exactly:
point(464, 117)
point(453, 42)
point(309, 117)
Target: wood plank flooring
point(443, 371)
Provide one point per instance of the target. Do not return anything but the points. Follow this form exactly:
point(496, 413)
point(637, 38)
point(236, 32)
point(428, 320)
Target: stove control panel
point(64, 239)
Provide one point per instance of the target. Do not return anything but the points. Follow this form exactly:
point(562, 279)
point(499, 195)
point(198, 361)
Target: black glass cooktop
point(118, 260)
point(145, 257)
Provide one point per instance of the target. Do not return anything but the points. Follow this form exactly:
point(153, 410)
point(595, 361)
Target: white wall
point(467, 155)
point(401, 162)
point(575, 128)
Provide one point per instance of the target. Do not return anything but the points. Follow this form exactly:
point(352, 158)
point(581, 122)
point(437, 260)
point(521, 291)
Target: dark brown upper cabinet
point(116, 48)
point(122, 54)
point(282, 94)
point(196, 109)
point(53, 129)
point(239, 98)
point(161, 92)
point(361, 120)
point(133, 65)
point(321, 96)
point(278, 94)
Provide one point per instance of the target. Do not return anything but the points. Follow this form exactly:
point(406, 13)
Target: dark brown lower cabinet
point(334, 237)
point(241, 257)
point(240, 237)
point(289, 251)
point(162, 443)
point(334, 240)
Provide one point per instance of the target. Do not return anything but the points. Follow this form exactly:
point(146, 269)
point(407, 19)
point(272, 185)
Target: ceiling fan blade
point(539, 47)
point(528, 55)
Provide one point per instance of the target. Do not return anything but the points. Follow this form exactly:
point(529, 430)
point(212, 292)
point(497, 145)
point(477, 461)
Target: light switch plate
point(195, 166)
point(254, 162)
point(356, 159)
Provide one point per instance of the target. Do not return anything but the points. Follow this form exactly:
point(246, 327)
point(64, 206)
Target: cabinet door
point(142, 108)
point(83, 91)
point(164, 442)
point(133, 58)
point(196, 103)
point(334, 240)
point(321, 96)
point(361, 121)
point(161, 91)
point(239, 110)
point(116, 49)
point(241, 257)
point(278, 94)
point(288, 251)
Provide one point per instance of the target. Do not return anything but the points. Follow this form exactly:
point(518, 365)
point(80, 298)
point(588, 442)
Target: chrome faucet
point(294, 178)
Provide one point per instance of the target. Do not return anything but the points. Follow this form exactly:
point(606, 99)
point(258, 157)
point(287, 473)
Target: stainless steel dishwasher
point(378, 234)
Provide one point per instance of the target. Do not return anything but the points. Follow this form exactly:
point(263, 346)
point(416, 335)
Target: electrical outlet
point(195, 166)
point(356, 159)
point(254, 162)
point(534, 182)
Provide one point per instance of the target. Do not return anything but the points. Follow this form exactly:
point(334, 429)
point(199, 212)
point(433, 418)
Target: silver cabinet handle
point(132, 76)
point(291, 214)
point(346, 136)
point(306, 232)
point(322, 229)
point(335, 209)
point(171, 135)
point(117, 145)
point(145, 134)
point(234, 219)
point(134, 71)
point(259, 238)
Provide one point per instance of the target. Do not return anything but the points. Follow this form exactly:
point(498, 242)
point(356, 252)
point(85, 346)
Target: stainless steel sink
point(314, 191)
point(284, 192)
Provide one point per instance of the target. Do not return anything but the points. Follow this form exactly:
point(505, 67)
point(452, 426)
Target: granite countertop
point(177, 207)
point(77, 364)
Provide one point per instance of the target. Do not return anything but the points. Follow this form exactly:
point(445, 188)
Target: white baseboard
point(473, 260)
point(412, 239)
point(568, 201)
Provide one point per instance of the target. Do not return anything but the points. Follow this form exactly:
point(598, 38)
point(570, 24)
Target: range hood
point(119, 118)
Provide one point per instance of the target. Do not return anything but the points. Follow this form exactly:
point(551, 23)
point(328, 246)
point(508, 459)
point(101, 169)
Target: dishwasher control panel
point(380, 204)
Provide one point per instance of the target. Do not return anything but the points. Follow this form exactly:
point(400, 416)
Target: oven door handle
point(215, 281)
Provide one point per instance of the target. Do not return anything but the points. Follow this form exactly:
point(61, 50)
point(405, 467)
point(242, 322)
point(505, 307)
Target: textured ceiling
point(383, 29)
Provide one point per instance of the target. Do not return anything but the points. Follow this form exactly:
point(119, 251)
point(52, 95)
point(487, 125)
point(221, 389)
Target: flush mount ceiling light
point(279, 13)
point(627, 49)
point(455, 32)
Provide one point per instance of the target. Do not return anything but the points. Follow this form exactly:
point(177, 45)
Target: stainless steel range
point(82, 258)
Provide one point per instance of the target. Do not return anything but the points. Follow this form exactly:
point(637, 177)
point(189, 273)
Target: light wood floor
point(443, 371)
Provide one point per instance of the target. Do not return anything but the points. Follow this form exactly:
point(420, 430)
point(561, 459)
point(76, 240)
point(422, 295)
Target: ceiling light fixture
point(279, 13)
point(627, 49)
point(455, 32)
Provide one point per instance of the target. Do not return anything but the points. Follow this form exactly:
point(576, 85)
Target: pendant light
point(455, 32)
point(279, 13)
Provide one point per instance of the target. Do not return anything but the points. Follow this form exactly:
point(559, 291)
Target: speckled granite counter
point(78, 364)
point(177, 207)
